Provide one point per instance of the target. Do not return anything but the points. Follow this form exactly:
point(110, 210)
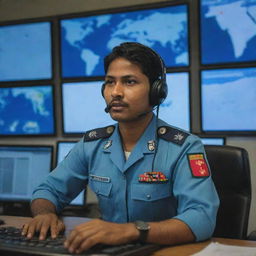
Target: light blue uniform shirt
point(122, 198)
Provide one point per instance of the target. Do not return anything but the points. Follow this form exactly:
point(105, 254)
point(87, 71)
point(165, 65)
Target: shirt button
point(148, 196)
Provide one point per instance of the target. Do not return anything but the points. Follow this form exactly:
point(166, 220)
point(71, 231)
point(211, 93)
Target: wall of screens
point(51, 69)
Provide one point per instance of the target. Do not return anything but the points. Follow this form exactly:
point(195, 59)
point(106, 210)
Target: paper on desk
point(217, 249)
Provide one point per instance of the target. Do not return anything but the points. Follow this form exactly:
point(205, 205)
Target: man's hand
point(88, 234)
point(43, 223)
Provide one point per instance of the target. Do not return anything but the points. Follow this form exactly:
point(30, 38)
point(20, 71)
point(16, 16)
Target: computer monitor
point(228, 31)
point(83, 107)
point(63, 148)
point(213, 141)
point(175, 110)
point(26, 110)
point(22, 168)
point(165, 29)
point(228, 100)
point(26, 51)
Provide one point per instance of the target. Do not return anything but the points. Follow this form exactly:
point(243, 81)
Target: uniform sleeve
point(195, 192)
point(66, 181)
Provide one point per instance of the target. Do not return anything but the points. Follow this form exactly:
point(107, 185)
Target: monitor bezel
point(32, 84)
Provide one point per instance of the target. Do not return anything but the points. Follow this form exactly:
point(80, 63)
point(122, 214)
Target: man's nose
point(118, 90)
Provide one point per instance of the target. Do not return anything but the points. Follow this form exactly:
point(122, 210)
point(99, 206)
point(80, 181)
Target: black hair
point(150, 63)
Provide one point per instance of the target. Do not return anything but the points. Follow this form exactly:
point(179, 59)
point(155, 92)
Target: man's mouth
point(116, 106)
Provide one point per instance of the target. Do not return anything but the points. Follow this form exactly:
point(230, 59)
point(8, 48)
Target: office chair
point(231, 175)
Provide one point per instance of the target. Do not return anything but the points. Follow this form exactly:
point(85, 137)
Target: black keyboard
point(13, 243)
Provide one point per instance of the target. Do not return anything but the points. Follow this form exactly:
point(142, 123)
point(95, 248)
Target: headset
point(158, 89)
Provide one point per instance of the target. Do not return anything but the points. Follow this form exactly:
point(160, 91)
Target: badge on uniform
point(151, 145)
point(152, 177)
point(198, 165)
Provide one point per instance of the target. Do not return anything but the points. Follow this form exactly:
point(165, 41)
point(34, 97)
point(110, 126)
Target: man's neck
point(132, 131)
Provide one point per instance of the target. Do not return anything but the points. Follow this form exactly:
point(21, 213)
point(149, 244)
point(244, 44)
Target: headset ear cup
point(153, 99)
point(158, 92)
point(102, 90)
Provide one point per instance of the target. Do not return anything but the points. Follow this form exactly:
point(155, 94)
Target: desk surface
point(181, 250)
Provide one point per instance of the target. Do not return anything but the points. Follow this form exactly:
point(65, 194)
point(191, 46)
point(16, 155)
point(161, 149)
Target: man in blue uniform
point(152, 180)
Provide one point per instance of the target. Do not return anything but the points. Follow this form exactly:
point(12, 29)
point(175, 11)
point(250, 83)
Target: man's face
point(126, 91)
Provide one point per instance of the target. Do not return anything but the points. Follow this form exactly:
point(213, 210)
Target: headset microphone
point(107, 108)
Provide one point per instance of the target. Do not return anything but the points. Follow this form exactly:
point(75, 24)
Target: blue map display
point(229, 99)
point(228, 31)
point(25, 51)
point(26, 110)
point(86, 41)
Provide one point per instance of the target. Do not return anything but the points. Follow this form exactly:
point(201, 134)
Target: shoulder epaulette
point(172, 134)
point(99, 133)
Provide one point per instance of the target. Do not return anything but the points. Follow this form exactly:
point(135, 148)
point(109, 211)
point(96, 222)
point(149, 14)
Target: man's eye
point(131, 81)
point(108, 82)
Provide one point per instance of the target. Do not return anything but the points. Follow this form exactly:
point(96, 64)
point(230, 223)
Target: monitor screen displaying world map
point(85, 41)
point(228, 99)
point(26, 110)
point(228, 31)
point(25, 51)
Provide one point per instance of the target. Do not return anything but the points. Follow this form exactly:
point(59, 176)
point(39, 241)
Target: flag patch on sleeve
point(198, 165)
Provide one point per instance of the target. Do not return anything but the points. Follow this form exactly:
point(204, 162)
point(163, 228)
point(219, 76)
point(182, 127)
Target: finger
point(76, 238)
point(75, 232)
point(31, 229)
point(70, 238)
point(54, 229)
point(75, 243)
point(44, 229)
point(88, 243)
point(24, 229)
point(60, 226)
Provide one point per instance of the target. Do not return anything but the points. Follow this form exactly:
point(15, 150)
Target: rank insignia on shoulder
point(198, 165)
point(172, 134)
point(152, 177)
point(99, 133)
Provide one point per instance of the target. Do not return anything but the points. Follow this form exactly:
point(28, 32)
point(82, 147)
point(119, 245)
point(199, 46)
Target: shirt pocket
point(101, 188)
point(150, 192)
